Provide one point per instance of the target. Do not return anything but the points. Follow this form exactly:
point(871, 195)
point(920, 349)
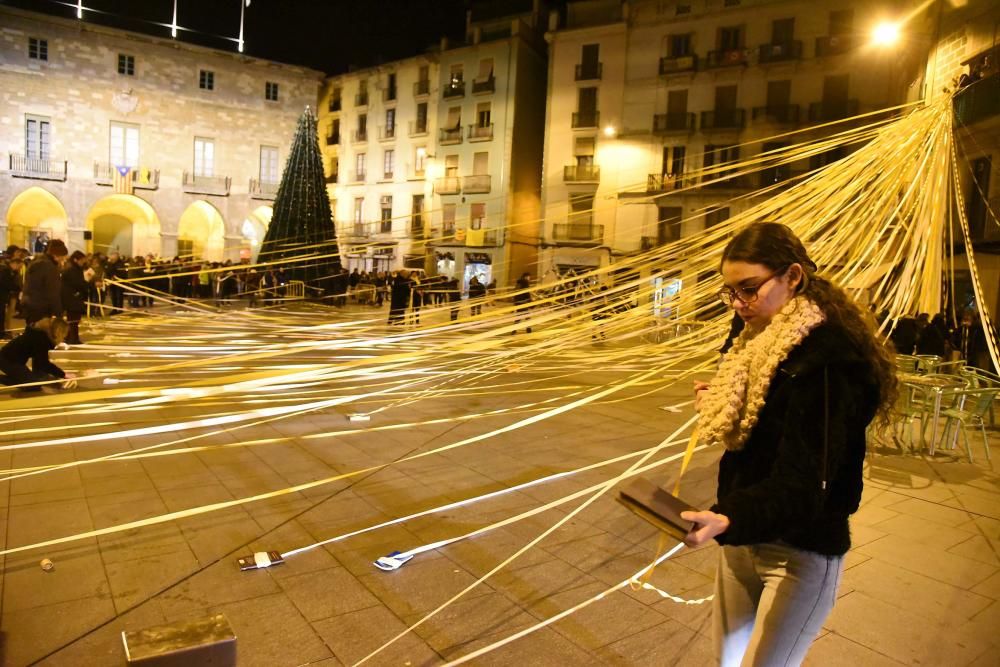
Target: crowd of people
point(407, 292)
point(924, 334)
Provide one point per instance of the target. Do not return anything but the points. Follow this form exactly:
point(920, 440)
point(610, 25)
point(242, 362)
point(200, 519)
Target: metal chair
point(960, 416)
point(906, 363)
point(980, 379)
point(928, 363)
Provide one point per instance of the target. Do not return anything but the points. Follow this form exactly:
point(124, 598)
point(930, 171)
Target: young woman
point(35, 344)
point(790, 403)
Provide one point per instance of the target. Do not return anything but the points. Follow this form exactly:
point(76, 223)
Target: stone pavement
point(921, 586)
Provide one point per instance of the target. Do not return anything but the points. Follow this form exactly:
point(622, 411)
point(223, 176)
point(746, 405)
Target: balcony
point(333, 138)
point(450, 136)
point(265, 189)
point(143, 178)
point(583, 119)
point(421, 88)
point(723, 181)
point(206, 185)
point(666, 182)
point(479, 238)
point(786, 114)
point(678, 65)
point(726, 58)
point(331, 179)
point(833, 45)
point(359, 136)
point(386, 132)
point(723, 119)
point(583, 234)
point(476, 184)
point(358, 176)
point(480, 132)
point(673, 123)
point(977, 101)
point(487, 85)
point(357, 230)
point(361, 99)
point(589, 71)
point(40, 168)
point(449, 185)
point(821, 112)
point(776, 53)
point(581, 173)
point(417, 128)
point(334, 105)
point(453, 89)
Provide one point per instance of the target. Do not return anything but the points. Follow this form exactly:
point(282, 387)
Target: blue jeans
point(770, 603)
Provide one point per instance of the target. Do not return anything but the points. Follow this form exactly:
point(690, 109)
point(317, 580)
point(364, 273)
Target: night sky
point(329, 35)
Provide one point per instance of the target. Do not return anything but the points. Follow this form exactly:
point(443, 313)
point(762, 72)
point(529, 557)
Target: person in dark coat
point(934, 338)
point(10, 287)
point(904, 336)
point(34, 344)
point(41, 296)
point(115, 271)
point(454, 294)
point(74, 295)
point(522, 299)
point(790, 404)
point(477, 294)
point(399, 297)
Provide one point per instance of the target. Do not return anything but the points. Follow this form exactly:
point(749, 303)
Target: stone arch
point(125, 224)
point(252, 231)
point(201, 232)
point(35, 212)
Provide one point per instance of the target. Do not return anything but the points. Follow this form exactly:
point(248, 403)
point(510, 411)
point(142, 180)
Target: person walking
point(790, 404)
point(399, 298)
point(522, 299)
point(41, 296)
point(477, 294)
point(114, 272)
point(75, 289)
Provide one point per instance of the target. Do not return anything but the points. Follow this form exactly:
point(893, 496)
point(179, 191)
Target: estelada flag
point(122, 180)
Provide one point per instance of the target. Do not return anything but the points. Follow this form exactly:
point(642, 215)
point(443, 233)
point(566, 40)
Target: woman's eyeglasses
point(747, 294)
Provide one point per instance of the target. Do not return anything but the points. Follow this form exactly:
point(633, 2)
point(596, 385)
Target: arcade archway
point(125, 224)
point(201, 232)
point(252, 230)
point(33, 217)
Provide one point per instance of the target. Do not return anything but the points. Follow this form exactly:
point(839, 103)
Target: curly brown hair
point(777, 247)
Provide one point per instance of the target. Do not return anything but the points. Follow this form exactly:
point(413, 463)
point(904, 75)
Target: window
point(673, 160)
point(590, 55)
point(842, 22)
point(450, 166)
point(716, 155)
point(668, 224)
point(731, 39)
point(38, 49)
point(206, 79)
point(448, 218)
point(124, 143)
point(782, 31)
point(483, 115)
point(583, 150)
point(587, 101)
point(271, 91)
point(680, 45)
point(126, 64)
point(454, 121)
point(725, 98)
point(421, 117)
point(715, 216)
point(335, 99)
point(37, 138)
point(417, 217)
point(362, 127)
point(269, 164)
point(359, 207)
point(360, 165)
point(204, 156)
point(481, 164)
point(385, 214)
point(477, 215)
point(390, 89)
point(581, 213)
point(390, 122)
point(388, 162)
point(456, 75)
point(420, 161)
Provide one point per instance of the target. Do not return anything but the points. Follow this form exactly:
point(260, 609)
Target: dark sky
point(329, 35)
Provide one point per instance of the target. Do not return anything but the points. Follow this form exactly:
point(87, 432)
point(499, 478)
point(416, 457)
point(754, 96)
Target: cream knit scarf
point(733, 402)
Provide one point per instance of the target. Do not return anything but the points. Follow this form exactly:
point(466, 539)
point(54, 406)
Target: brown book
point(657, 506)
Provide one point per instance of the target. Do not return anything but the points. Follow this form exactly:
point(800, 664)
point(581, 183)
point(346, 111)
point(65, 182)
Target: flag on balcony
point(121, 180)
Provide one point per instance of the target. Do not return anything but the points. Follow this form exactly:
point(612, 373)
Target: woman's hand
point(699, 391)
point(706, 526)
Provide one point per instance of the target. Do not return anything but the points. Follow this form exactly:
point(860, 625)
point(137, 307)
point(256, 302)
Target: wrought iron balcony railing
point(206, 185)
point(40, 168)
point(581, 173)
point(476, 184)
point(678, 64)
point(481, 132)
point(669, 123)
point(578, 233)
point(786, 114)
point(773, 53)
point(265, 189)
point(586, 118)
point(723, 119)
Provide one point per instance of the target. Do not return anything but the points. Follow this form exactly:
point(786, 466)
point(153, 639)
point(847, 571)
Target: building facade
point(454, 189)
point(116, 141)
point(643, 93)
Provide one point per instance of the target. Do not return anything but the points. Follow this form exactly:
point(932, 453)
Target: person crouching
point(35, 344)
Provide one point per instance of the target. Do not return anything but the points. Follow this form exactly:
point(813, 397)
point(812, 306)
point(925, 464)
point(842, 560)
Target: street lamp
point(885, 33)
point(610, 131)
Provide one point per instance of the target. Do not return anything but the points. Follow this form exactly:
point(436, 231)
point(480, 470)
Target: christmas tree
point(302, 237)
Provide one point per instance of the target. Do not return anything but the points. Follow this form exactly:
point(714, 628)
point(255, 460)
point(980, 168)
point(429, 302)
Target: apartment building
point(377, 132)
point(118, 141)
point(454, 189)
point(644, 92)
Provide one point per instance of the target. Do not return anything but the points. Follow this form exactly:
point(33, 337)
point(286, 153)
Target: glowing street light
point(885, 33)
point(610, 131)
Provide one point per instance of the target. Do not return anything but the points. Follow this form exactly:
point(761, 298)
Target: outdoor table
point(935, 385)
